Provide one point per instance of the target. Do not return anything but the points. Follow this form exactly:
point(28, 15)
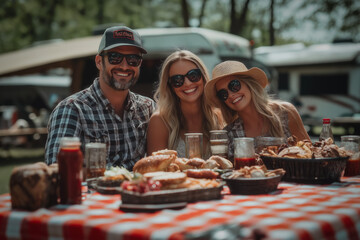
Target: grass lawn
point(13, 158)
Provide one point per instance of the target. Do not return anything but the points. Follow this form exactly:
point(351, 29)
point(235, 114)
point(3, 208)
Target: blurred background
point(309, 50)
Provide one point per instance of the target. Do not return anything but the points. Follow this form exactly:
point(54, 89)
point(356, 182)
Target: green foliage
point(24, 22)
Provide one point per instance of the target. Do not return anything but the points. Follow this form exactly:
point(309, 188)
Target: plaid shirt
point(89, 116)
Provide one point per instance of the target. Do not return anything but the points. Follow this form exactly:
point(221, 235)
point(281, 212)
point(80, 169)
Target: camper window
point(324, 84)
point(283, 81)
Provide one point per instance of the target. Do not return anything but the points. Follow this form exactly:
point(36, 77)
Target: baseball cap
point(120, 36)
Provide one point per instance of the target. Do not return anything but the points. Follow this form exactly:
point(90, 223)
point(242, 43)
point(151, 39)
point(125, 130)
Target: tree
point(271, 24)
point(202, 11)
point(185, 13)
point(238, 22)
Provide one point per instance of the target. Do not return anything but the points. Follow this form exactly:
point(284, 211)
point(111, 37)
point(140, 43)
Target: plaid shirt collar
point(130, 103)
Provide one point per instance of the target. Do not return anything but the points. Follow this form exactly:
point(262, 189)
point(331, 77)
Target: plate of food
point(304, 162)
point(111, 181)
point(169, 187)
point(253, 180)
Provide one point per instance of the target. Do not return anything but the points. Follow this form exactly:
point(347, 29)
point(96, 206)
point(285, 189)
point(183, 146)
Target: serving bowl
point(308, 170)
point(251, 186)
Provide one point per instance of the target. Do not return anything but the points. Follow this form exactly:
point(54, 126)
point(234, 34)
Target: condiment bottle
point(70, 160)
point(326, 131)
point(352, 144)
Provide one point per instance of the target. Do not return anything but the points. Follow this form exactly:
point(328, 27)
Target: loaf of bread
point(34, 186)
point(153, 163)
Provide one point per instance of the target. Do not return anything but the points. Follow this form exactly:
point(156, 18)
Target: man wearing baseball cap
point(107, 111)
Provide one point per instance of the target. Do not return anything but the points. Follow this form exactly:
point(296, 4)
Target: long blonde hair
point(266, 106)
point(168, 103)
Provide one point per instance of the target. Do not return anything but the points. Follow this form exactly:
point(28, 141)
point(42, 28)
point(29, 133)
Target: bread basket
point(251, 186)
point(308, 170)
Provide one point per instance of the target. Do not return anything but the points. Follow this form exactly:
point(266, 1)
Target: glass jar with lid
point(352, 144)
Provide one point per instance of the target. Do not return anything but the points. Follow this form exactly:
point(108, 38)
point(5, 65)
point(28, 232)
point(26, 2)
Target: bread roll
point(166, 178)
point(195, 162)
point(165, 152)
point(223, 162)
point(33, 186)
point(210, 164)
point(181, 162)
point(153, 163)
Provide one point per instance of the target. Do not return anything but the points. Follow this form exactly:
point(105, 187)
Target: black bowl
point(308, 170)
point(251, 186)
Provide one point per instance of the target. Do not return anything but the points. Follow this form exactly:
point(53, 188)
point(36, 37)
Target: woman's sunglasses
point(234, 86)
point(194, 75)
point(115, 58)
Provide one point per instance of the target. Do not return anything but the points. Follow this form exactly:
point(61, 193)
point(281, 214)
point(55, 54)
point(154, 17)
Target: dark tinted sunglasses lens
point(133, 60)
point(234, 85)
point(177, 81)
point(222, 95)
point(194, 75)
point(115, 58)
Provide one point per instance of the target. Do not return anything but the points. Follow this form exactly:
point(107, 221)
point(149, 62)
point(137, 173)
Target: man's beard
point(116, 85)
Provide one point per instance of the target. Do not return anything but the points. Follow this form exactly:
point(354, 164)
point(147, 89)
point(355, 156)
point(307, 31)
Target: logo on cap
point(123, 34)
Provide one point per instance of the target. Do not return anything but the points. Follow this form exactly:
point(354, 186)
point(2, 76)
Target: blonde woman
point(240, 94)
point(181, 105)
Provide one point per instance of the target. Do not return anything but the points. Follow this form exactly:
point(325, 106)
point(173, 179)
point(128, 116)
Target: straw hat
point(230, 68)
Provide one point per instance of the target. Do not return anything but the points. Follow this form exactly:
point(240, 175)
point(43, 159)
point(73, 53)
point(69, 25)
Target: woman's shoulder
point(280, 106)
point(156, 119)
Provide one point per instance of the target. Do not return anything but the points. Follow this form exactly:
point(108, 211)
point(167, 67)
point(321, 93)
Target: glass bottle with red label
point(70, 160)
point(326, 131)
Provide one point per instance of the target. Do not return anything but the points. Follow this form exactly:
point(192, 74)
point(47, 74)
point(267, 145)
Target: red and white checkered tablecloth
point(294, 211)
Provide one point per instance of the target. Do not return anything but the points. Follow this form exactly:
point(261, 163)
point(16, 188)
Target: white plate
point(152, 206)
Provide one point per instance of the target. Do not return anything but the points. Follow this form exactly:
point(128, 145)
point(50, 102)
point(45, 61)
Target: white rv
point(78, 55)
point(322, 80)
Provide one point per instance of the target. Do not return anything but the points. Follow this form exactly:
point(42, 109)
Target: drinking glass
point(219, 143)
point(352, 143)
point(244, 152)
point(194, 145)
point(95, 159)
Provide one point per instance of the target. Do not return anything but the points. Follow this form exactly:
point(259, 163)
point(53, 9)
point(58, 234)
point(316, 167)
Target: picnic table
point(293, 211)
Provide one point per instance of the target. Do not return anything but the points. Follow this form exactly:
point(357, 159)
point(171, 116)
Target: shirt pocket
point(97, 134)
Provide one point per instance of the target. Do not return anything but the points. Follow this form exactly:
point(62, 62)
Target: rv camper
point(323, 81)
point(78, 55)
point(57, 61)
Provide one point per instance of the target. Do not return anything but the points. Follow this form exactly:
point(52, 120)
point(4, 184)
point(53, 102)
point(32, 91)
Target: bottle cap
point(69, 141)
point(326, 120)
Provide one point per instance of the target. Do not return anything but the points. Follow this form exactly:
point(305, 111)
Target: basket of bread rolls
point(321, 162)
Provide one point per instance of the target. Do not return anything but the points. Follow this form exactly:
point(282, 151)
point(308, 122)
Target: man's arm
point(63, 122)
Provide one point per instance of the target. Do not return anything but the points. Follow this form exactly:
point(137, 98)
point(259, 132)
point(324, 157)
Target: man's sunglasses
point(194, 75)
point(234, 86)
point(115, 58)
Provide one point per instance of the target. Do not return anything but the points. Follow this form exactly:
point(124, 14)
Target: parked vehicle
point(78, 55)
point(321, 80)
point(25, 106)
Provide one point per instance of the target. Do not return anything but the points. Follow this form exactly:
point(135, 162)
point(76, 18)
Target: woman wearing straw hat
point(240, 94)
point(181, 105)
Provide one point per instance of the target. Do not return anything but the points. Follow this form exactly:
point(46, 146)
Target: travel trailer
point(77, 55)
point(323, 80)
